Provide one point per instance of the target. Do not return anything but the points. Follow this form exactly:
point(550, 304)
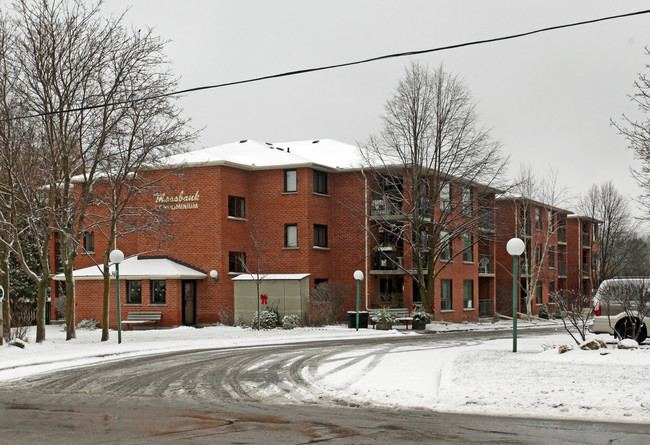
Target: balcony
point(586, 244)
point(561, 269)
point(387, 261)
point(561, 235)
point(486, 222)
point(485, 265)
point(385, 207)
point(585, 271)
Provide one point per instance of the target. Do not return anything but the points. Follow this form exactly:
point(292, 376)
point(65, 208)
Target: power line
point(338, 65)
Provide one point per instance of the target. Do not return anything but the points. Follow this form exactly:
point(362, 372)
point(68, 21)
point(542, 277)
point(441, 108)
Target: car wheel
point(626, 327)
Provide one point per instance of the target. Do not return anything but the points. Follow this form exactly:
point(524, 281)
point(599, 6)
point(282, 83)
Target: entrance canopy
point(141, 268)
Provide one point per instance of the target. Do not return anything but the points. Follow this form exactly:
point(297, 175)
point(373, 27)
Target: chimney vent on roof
point(242, 141)
point(315, 142)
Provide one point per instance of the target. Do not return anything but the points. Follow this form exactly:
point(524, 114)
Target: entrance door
point(189, 302)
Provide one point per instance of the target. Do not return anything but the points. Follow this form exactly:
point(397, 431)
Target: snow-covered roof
point(139, 268)
point(252, 154)
point(271, 276)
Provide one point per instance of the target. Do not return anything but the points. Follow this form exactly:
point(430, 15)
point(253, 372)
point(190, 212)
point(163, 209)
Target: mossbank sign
point(182, 201)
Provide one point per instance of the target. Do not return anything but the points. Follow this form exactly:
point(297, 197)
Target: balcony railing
point(385, 207)
point(386, 261)
point(585, 270)
point(486, 221)
point(485, 265)
point(561, 269)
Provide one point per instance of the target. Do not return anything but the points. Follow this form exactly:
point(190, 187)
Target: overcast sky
point(548, 97)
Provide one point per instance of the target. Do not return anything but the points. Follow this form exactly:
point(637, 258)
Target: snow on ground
point(482, 377)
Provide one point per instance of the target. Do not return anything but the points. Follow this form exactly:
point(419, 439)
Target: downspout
point(365, 233)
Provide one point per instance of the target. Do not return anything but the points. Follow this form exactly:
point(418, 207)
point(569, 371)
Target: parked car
point(621, 307)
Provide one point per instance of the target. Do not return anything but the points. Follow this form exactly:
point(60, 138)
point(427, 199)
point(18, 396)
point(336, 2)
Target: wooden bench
point(142, 317)
point(400, 313)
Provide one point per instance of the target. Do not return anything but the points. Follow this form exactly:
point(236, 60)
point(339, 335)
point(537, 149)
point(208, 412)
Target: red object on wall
point(264, 299)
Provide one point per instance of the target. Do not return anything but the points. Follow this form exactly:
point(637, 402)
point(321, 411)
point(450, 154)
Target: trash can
point(352, 319)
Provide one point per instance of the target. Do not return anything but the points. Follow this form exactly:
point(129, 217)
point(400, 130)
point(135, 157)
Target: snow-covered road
point(475, 375)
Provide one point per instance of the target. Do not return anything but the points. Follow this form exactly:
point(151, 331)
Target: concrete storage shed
point(288, 293)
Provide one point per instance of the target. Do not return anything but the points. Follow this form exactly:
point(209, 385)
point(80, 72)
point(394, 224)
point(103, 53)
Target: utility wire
point(338, 65)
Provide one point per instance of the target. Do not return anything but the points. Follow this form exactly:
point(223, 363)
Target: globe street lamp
point(116, 257)
point(358, 275)
point(515, 247)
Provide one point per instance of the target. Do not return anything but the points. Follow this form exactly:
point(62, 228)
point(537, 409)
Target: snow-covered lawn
point(480, 377)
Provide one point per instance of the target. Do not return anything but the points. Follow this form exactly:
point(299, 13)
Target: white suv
point(621, 306)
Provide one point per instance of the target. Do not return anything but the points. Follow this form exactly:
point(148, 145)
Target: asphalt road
point(255, 395)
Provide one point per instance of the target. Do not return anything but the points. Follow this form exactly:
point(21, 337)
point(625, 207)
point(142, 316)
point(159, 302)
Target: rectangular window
point(134, 291)
point(468, 294)
point(237, 262)
point(290, 235)
point(445, 295)
point(468, 248)
point(158, 291)
point(538, 254)
point(89, 241)
point(445, 196)
point(320, 235)
point(538, 218)
point(551, 287)
point(236, 207)
point(290, 180)
point(320, 182)
point(445, 246)
point(538, 292)
point(467, 201)
point(551, 257)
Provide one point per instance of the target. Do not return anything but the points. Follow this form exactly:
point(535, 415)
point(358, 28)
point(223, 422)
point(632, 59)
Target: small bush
point(268, 319)
point(290, 321)
point(23, 315)
point(88, 324)
point(227, 316)
point(543, 312)
point(327, 303)
point(59, 305)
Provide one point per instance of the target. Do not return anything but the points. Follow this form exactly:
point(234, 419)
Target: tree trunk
point(106, 302)
point(5, 318)
point(70, 332)
point(40, 308)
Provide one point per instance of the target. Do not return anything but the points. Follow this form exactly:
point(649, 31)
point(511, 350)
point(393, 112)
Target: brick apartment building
point(561, 252)
point(305, 202)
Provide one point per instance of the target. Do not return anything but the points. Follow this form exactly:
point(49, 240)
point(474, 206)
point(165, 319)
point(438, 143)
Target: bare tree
point(571, 304)
point(433, 169)
point(609, 206)
point(24, 216)
point(637, 134)
point(79, 74)
point(258, 268)
point(147, 132)
point(545, 196)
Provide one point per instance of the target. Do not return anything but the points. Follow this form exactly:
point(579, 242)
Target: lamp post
point(358, 275)
point(515, 247)
point(116, 257)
